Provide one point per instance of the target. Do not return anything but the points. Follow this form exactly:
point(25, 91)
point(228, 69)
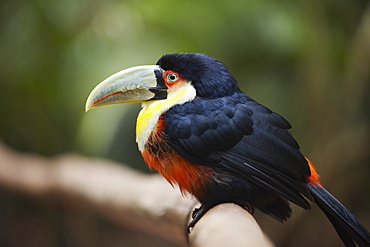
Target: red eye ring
point(171, 77)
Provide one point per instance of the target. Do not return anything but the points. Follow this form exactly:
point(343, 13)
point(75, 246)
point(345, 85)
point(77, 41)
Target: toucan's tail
point(349, 229)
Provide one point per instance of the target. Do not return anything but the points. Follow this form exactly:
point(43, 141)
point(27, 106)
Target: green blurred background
point(307, 60)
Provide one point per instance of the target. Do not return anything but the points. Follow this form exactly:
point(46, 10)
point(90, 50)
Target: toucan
point(201, 132)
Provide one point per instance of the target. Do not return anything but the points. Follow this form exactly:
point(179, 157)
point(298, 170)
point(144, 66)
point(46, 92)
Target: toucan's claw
point(203, 209)
point(198, 213)
point(247, 206)
point(195, 212)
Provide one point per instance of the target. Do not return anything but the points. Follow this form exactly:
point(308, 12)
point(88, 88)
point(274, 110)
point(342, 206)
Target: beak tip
point(88, 106)
point(90, 103)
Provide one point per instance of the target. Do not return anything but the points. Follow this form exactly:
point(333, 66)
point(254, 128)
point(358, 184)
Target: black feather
point(349, 229)
point(199, 68)
point(248, 147)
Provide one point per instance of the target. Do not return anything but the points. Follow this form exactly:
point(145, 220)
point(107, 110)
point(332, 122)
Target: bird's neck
point(152, 110)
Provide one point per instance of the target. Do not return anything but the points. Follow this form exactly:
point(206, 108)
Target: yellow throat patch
point(152, 110)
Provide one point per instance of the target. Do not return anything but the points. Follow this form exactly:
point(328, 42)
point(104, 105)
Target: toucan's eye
point(172, 77)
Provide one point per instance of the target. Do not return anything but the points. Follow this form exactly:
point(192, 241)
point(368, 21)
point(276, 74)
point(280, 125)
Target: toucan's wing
point(243, 137)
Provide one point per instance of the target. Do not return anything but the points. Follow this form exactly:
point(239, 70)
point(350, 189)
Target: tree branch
point(129, 198)
point(228, 225)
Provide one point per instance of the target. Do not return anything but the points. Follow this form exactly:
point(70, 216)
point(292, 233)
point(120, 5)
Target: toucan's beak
point(133, 85)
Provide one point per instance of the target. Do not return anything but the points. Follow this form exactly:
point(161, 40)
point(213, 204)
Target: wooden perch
point(228, 225)
point(146, 203)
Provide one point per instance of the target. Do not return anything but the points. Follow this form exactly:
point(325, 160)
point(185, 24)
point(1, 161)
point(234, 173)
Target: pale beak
point(132, 85)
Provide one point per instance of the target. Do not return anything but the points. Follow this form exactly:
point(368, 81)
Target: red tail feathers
point(314, 178)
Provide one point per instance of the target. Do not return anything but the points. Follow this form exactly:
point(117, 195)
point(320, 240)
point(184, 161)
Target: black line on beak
point(160, 90)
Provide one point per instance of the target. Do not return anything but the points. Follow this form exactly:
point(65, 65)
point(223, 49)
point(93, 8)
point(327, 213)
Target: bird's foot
point(197, 214)
point(202, 210)
point(247, 206)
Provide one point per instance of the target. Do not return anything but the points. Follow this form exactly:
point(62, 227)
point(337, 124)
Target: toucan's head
point(206, 76)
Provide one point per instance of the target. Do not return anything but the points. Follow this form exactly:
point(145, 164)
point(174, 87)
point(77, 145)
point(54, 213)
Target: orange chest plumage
point(159, 155)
